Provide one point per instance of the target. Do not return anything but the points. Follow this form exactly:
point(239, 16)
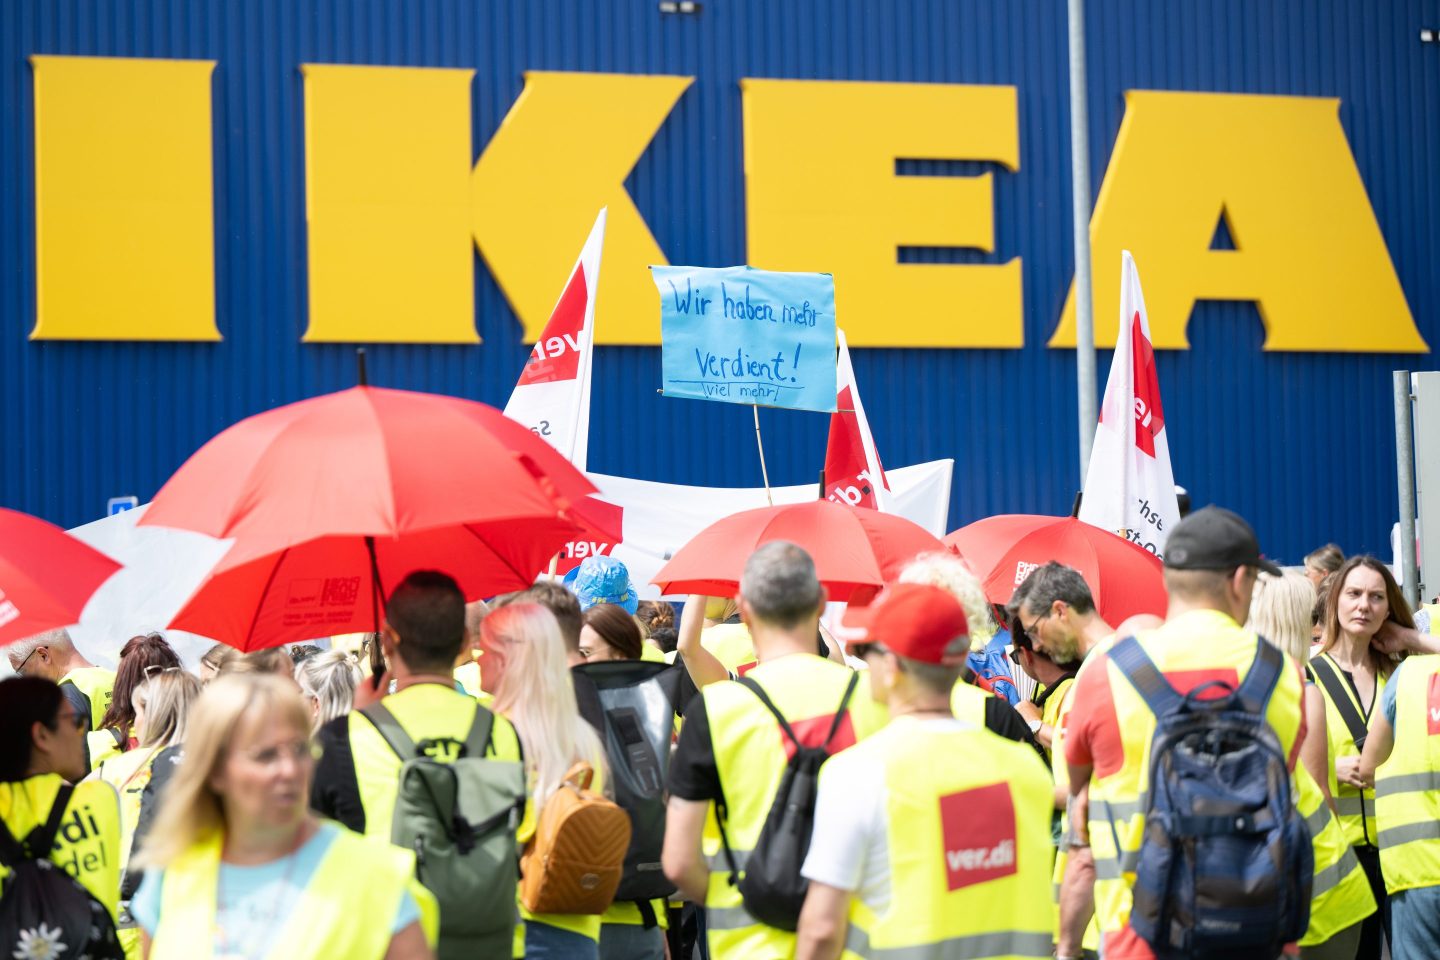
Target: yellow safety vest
point(1355, 806)
point(1194, 642)
point(98, 686)
point(750, 757)
point(88, 844)
point(128, 773)
point(967, 702)
point(1407, 786)
point(730, 643)
point(1061, 774)
point(1340, 896)
point(427, 712)
point(968, 831)
point(345, 911)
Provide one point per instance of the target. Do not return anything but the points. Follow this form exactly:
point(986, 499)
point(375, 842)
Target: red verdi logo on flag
point(1149, 417)
point(978, 830)
point(556, 355)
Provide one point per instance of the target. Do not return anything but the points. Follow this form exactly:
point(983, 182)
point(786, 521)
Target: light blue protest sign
point(740, 335)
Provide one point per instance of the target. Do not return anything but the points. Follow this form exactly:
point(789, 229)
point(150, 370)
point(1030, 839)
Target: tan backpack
point(574, 861)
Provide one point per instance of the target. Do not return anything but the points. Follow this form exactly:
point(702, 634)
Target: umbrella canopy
point(856, 551)
point(333, 500)
point(1125, 579)
point(46, 576)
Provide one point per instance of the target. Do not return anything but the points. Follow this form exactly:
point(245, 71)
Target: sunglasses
point(862, 651)
point(77, 719)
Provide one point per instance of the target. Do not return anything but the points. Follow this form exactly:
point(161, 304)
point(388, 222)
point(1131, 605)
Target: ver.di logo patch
point(978, 832)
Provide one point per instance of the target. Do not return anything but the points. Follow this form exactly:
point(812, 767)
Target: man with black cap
point(1212, 560)
point(931, 837)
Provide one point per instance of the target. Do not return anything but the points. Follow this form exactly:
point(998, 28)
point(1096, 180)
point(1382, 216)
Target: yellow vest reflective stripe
point(750, 758)
point(1200, 640)
point(998, 832)
point(97, 684)
point(88, 844)
point(1407, 786)
point(967, 702)
point(1341, 893)
point(346, 909)
point(1355, 806)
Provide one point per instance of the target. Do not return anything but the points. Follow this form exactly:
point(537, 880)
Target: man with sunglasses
point(52, 656)
point(932, 836)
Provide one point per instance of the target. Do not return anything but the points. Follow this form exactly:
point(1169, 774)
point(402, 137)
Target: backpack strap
point(39, 841)
point(394, 734)
point(1145, 677)
point(759, 691)
point(122, 742)
point(840, 712)
point(1335, 686)
point(477, 741)
point(1259, 683)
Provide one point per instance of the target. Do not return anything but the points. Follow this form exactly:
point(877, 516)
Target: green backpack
point(459, 818)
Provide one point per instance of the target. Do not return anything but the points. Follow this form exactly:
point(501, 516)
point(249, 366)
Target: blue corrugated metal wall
point(1302, 444)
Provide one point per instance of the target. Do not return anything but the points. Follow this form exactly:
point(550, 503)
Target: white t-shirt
point(848, 848)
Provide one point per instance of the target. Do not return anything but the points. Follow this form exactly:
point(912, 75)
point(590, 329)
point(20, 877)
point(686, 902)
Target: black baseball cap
point(1215, 539)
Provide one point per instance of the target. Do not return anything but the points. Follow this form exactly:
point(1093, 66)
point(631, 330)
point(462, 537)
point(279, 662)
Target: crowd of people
point(569, 772)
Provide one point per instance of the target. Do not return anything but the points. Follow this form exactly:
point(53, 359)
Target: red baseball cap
point(916, 621)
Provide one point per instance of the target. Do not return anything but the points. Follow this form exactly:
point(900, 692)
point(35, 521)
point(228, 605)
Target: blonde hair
point(1280, 612)
point(536, 695)
point(218, 656)
point(949, 573)
point(330, 677)
point(190, 810)
point(167, 696)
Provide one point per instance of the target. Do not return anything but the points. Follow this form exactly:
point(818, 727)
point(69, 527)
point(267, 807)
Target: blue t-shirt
point(256, 901)
point(1387, 696)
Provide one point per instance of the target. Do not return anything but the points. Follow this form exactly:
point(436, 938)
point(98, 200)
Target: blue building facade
point(1302, 443)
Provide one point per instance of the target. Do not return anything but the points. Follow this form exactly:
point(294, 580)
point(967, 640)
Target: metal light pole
point(1080, 212)
point(1405, 471)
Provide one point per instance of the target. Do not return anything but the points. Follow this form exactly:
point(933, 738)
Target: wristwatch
point(1035, 726)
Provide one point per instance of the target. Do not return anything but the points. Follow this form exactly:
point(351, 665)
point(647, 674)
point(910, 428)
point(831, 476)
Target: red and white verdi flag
point(853, 473)
point(552, 396)
point(1129, 486)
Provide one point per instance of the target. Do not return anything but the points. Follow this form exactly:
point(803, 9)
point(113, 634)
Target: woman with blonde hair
point(239, 868)
point(525, 664)
point(161, 704)
point(1341, 900)
point(327, 682)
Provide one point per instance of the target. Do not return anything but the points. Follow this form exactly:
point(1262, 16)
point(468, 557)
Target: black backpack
point(634, 713)
point(771, 886)
point(44, 910)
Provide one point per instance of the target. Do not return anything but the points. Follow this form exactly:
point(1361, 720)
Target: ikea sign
point(397, 205)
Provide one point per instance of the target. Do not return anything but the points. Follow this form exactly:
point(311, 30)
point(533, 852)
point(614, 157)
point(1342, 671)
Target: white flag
point(853, 473)
point(1129, 486)
point(552, 396)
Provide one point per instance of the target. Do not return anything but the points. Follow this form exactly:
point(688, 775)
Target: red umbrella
point(332, 499)
point(856, 551)
point(46, 576)
point(1124, 578)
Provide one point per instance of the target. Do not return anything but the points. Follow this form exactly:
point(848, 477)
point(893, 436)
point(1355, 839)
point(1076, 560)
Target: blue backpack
point(1225, 865)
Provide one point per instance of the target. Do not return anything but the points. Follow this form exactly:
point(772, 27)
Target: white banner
point(660, 518)
point(1129, 486)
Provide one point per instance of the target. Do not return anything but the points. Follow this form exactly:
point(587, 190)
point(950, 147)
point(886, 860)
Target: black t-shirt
point(693, 772)
point(335, 790)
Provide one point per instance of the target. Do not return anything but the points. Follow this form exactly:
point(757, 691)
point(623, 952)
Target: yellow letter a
point(561, 154)
point(1307, 247)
